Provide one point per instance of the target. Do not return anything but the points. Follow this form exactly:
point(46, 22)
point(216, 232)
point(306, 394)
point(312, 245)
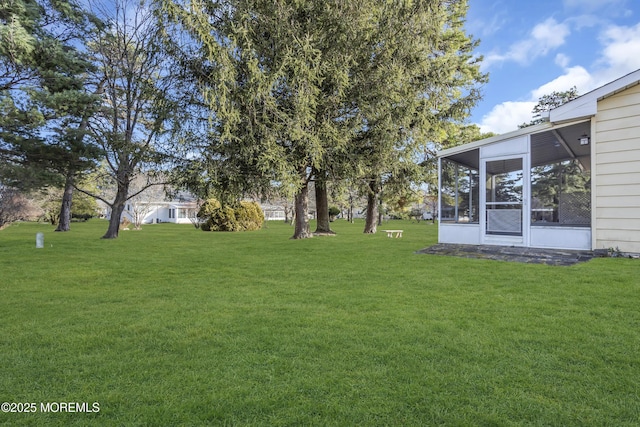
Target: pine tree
point(43, 96)
point(299, 90)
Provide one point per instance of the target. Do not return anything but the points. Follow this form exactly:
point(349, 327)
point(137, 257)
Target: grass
point(174, 326)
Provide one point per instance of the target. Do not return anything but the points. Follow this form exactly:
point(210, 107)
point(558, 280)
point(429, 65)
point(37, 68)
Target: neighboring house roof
point(266, 207)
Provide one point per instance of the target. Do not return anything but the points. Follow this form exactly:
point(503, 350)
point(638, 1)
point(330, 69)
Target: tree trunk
point(302, 230)
point(371, 220)
point(322, 206)
point(286, 215)
point(350, 214)
point(116, 212)
point(64, 224)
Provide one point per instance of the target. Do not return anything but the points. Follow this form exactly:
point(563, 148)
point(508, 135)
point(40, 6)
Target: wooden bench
point(393, 233)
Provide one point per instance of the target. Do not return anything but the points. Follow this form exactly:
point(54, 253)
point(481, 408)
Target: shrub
point(250, 216)
point(82, 216)
point(246, 216)
point(207, 208)
point(333, 212)
point(205, 212)
point(223, 219)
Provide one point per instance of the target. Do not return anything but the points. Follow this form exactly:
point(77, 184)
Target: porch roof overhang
point(550, 142)
point(492, 140)
point(182, 205)
point(573, 112)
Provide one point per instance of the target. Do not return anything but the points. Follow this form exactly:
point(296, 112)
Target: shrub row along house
point(570, 183)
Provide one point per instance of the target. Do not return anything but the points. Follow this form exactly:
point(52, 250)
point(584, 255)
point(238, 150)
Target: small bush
point(82, 216)
point(124, 224)
point(207, 208)
point(333, 212)
point(246, 216)
point(250, 216)
point(224, 219)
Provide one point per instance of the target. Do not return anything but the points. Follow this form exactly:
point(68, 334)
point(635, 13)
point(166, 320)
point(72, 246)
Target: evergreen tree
point(298, 89)
point(273, 75)
point(416, 78)
point(548, 102)
point(43, 96)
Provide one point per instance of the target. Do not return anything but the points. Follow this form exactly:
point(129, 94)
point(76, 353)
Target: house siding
point(617, 172)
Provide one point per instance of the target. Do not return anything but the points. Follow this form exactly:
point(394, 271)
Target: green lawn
point(174, 326)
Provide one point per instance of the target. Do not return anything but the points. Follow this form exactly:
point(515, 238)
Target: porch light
point(584, 139)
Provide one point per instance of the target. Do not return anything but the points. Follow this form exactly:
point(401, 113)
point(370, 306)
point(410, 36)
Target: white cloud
point(544, 37)
point(575, 76)
point(622, 48)
point(618, 54)
point(550, 34)
point(507, 116)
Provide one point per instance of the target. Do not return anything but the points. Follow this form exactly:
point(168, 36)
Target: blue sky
point(533, 47)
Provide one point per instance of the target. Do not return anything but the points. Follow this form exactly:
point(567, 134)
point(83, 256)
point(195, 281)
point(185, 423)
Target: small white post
point(40, 240)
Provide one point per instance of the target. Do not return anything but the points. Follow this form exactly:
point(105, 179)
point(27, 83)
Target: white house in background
point(179, 211)
point(274, 212)
point(570, 183)
point(157, 212)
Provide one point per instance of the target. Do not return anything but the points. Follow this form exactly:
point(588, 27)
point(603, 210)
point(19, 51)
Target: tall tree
point(417, 76)
point(548, 102)
point(43, 95)
point(69, 100)
point(290, 83)
point(137, 102)
point(274, 74)
point(323, 225)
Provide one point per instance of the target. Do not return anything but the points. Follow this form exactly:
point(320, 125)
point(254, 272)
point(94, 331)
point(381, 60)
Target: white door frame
point(508, 240)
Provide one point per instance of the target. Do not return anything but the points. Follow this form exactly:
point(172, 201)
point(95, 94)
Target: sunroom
point(531, 187)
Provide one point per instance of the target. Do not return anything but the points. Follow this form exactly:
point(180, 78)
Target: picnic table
point(393, 233)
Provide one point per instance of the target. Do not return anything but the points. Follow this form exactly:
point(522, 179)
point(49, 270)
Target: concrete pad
point(511, 253)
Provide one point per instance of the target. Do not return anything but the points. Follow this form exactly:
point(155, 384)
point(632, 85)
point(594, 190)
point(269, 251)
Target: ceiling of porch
point(550, 146)
point(561, 144)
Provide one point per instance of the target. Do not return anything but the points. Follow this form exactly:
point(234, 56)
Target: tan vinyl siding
point(631, 179)
point(627, 191)
point(617, 172)
point(612, 168)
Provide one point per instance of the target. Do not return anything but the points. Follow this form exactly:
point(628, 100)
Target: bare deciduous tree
point(137, 107)
point(14, 206)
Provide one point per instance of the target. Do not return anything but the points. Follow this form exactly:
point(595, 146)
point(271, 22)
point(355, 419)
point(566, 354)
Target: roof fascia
point(530, 130)
point(587, 105)
point(492, 140)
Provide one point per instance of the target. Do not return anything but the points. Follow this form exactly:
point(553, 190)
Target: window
point(561, 194)
point(172, 213)
point(182, 213)
point(460, 193)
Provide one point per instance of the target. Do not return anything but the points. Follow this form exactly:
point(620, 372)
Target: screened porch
point(531, 189)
